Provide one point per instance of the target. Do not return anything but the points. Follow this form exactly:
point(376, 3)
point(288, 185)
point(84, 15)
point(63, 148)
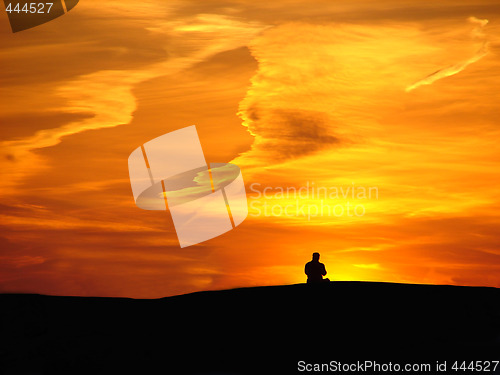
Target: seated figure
point(315, 270)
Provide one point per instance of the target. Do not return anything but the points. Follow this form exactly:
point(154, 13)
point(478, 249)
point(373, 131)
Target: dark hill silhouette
point(250, 330)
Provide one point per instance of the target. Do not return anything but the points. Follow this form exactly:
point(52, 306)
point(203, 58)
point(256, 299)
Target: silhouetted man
point(315, 270)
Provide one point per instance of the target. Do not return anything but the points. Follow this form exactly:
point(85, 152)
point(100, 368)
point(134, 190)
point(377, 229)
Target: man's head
point(316, 257)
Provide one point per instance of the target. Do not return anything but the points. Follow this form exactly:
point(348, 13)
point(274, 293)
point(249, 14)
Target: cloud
point(457, 68)
point(105, 96)
point(292, 133)
point(318, 87)
point(21, 260)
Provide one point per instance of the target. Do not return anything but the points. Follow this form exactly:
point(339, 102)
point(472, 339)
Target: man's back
point(315, 271)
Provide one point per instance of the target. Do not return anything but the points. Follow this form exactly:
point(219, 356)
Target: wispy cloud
point(319, 87)
point(457, 68)
point(106, 95)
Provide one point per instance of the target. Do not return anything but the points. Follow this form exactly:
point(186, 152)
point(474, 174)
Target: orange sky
point(399, 96)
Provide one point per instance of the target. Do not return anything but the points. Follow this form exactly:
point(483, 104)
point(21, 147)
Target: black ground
point(251, 330)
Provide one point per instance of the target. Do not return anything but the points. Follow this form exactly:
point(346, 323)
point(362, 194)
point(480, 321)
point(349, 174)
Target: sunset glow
point(365, 131)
